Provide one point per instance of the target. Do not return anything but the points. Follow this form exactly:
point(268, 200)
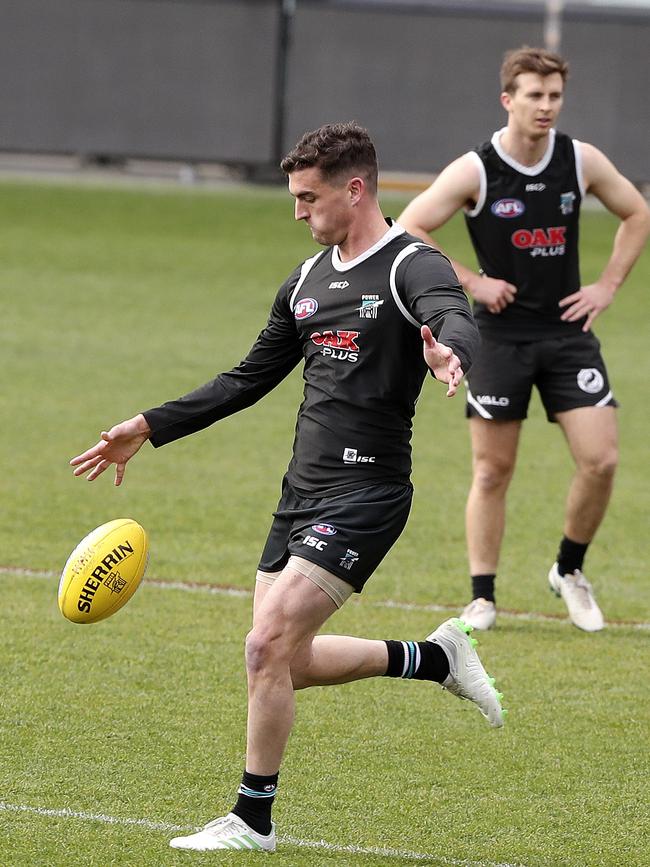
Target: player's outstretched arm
point(442, 360)
point(116, 446)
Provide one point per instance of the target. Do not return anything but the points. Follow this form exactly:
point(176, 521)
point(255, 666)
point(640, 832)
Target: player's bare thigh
point(298, 600)
point(592, 434)
point(494, 445)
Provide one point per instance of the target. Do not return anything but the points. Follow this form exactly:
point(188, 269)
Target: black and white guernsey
point(524, 228)
point(356, 324)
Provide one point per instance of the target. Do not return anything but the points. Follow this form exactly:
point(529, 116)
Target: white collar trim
point(393, 231)
point(519, 167)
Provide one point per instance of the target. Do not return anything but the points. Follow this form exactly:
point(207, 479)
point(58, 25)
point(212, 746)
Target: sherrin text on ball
point(104, 571)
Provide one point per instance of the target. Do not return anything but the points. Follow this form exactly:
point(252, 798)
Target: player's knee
point(603, 464)
point(492, 474)
point(263, 649)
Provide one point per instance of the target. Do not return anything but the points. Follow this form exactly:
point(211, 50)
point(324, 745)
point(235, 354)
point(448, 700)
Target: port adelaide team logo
point(508, 208)
point(566, 202)
point(305, 308)
point(370, 305)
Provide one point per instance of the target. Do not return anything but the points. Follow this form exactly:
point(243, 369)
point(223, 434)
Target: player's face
point(535, 104)
point(326, 207)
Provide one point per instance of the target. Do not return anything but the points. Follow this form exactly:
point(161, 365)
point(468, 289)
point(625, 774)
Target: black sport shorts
point(346, 534)
point(569, 372)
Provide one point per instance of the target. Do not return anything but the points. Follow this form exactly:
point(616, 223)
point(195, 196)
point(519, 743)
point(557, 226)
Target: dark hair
point(336, 149)
point(527, 59)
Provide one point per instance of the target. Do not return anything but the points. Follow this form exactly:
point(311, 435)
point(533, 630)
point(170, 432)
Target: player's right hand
point(116, 446)
point(494, 293)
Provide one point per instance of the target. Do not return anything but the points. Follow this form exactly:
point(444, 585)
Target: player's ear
point(506, 100)
point(356, 188)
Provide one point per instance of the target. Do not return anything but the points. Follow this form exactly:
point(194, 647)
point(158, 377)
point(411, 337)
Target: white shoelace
point(223, 823)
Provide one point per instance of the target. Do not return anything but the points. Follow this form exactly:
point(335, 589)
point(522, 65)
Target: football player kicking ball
point(521, 193)
point(370, 315)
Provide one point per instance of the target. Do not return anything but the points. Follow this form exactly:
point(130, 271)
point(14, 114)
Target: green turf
point(118, 299)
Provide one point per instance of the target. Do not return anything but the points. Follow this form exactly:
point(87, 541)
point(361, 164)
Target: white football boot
point(228, 832)
point(480, 613)
point(579, 598)
point(467, 677)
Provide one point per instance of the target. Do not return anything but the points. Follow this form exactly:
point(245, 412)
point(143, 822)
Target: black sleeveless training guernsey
point(524, 229)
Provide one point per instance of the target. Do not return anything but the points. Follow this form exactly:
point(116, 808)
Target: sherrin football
point(104, 571)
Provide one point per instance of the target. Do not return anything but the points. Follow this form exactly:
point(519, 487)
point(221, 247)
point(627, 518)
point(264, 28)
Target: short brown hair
point(527, 59)
point(336, 149)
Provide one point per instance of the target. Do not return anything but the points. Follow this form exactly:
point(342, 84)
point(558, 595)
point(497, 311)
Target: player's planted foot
point(480, 613)
point(228, 832)
point(467, 677)
point(579, 598)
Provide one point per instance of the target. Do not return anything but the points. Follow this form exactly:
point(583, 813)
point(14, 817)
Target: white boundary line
point(150, 825)
point(65, 813)
point(219, 590)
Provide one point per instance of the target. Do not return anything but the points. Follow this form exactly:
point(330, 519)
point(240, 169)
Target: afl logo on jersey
point(508, 208)
point(305, 308)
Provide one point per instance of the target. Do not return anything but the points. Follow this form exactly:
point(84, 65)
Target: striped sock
point(255, 798)
point(417, 660)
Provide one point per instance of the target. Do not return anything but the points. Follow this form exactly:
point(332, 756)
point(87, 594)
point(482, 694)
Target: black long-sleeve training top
point(356, 324)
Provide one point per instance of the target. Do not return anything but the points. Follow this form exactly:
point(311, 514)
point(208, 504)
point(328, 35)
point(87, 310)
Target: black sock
point(417, 660)
point(483, 586)
point(570, 556)
point(255, 798)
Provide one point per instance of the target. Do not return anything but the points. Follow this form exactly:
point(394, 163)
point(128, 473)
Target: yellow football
point(104, 571)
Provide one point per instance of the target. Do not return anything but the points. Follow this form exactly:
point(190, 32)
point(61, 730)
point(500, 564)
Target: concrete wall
point(198, 79)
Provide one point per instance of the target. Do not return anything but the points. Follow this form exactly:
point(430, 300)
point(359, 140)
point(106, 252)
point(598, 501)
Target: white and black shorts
point(569, 372)
point(347, 534)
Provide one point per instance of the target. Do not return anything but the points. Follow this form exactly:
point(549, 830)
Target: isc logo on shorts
point(313, 542)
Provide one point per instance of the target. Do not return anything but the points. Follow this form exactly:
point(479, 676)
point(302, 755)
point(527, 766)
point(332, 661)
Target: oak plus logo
point(541, 242)
point(590, 380)
point(508, 209)
point(305, 308)
point(340, 346)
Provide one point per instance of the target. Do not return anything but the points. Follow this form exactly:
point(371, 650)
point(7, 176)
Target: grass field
point(115, 735)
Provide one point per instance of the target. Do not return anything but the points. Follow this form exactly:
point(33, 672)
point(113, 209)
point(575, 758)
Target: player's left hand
point(588, 301)
point(442, 360)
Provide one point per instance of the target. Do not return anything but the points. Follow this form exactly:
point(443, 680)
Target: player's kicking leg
point(283, 654)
